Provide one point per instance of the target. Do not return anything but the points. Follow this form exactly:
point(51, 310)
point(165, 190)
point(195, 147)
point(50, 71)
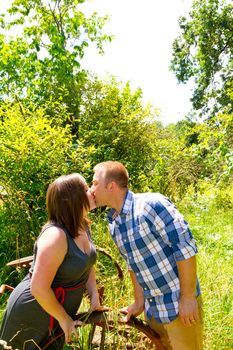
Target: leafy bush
point(32, 154)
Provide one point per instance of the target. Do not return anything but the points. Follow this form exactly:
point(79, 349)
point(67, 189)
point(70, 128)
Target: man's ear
point(111, 186)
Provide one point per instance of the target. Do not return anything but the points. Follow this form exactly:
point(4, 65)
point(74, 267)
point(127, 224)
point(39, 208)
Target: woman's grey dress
point(26, 325)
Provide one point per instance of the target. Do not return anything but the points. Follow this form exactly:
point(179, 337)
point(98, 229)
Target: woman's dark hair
point(67, 201)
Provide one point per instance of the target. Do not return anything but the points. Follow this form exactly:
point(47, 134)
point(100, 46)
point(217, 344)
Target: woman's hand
point(68, 326)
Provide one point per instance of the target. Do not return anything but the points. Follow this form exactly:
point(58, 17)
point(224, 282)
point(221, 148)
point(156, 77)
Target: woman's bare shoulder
point(52, 235)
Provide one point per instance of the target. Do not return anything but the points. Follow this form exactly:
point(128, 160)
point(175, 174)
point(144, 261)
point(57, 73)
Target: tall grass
point(211, 219)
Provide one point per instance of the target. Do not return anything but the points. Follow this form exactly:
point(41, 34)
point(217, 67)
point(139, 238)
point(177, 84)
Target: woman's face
point(90, 197)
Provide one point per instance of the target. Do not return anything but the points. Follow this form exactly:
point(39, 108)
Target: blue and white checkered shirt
point(152, 235)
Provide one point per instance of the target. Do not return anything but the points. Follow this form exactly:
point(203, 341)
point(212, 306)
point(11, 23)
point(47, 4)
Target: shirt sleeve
point(166, 221)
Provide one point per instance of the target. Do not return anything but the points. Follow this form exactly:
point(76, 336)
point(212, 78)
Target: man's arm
point(175, 232)
point(188, 308)
point(137, 307)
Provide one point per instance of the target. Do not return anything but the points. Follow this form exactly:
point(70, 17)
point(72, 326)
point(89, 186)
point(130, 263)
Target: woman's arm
point(92, 290)
point(52, 247)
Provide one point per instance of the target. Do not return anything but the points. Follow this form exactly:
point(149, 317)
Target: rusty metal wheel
point(107, 331)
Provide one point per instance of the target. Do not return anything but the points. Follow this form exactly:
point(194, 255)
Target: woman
point(61, 271)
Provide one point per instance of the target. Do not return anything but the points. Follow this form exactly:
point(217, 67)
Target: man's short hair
point(114, 171)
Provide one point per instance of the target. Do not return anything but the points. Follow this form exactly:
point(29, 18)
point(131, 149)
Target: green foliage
point(32, 154)
point(114, 121)
point(191, 151)
point(204, 51)
point(44, 57)
point(176, 167)
point(34, 150)
point(214, 150)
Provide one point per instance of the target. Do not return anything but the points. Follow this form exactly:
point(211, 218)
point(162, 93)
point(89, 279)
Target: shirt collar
point(112, 215)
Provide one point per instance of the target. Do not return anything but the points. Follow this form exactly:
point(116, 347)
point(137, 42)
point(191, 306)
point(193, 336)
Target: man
point(160, 250)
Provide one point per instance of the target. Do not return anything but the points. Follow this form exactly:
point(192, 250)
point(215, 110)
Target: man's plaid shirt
point(152, 235)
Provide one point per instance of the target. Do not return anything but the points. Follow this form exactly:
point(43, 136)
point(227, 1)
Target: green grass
point(212, 225)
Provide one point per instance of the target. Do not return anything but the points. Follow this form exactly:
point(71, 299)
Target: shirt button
point(151, 300)
point(145, 288)
point(125, 240)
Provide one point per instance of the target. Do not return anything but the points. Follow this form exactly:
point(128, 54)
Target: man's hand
point(134, 309)
point(188, 310)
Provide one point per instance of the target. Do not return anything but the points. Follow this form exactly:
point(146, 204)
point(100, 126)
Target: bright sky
point(141, 51)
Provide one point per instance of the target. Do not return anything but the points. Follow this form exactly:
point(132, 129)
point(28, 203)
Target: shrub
point(32, 154)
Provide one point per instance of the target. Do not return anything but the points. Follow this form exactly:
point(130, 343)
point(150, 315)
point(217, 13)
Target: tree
point(114, 121)
point(43, 61)
point(215, 149)
point(176, 166)
point(204, 51)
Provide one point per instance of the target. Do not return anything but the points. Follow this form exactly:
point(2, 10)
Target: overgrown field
point(210, 217)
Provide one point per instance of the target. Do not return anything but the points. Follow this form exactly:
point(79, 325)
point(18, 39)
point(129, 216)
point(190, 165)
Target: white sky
point(141, 51)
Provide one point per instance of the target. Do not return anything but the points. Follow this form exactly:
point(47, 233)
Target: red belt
point(60, 295)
